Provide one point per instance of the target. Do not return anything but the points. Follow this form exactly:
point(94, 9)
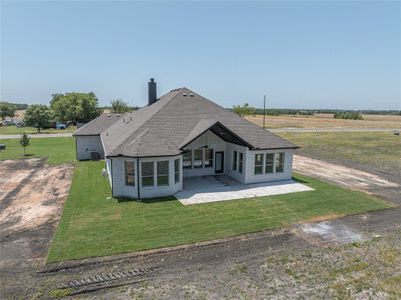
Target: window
point(258, 164)
point(198, 158)
point(147, 173)
point(187, 160)
point(269, 163)
point(235, 161)
point(162, 173)
point(129, 173)
point(280, 162)
point(240, 162)
point(208, 158)
point(177, 170)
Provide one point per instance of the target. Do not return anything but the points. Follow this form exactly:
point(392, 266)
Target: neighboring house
point(151, 151)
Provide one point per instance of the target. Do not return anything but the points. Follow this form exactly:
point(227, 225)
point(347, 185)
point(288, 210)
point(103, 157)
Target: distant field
point(5, 130)
point(378, 150)
point(327, 121)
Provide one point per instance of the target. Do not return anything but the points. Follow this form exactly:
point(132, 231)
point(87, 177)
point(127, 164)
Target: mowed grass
point(94, 224)
point(58, 150)
point(380, 150)
point(11, 130)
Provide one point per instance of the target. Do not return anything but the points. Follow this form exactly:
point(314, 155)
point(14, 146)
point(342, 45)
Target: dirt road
point(292, 262)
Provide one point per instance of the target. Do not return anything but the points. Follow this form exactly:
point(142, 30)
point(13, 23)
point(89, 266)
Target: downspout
point(137, 182)
point(112, 176)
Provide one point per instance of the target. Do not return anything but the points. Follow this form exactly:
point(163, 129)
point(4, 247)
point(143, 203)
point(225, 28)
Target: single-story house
point(149, 152)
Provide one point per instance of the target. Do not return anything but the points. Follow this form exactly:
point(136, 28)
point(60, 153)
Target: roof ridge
point(123, 143)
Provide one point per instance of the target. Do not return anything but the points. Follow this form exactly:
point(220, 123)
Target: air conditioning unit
point(95, 155)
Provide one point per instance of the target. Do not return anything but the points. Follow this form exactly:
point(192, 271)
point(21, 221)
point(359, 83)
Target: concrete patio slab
point(207, 189)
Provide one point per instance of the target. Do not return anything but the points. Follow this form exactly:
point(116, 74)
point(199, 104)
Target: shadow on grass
point(300, 180)
point(148, 201)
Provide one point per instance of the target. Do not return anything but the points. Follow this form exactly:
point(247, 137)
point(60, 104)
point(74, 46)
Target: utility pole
point(264, 112)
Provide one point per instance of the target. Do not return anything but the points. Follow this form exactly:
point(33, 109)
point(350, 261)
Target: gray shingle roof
point(98, 125)
point(174, 120)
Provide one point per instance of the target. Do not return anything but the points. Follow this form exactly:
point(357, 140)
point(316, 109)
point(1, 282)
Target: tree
point(6, 110)
point(37, 115)
point(244, 110)
point(24, 141)
point(75, 107)
point(119, 106)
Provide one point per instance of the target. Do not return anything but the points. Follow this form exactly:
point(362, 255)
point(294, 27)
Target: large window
point(162, 173)
point(147, 173)
point(269, 163)
point(177, 170)
point(240, 162)
point(280, 162)
point(130, 173)
point(208, 158)
point(198, 158)
point(258, 164)
point(187, 160)
point(235, 160)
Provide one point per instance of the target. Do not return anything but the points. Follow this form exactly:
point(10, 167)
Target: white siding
point(250, 177)
point(86, 144)
point(229, 162)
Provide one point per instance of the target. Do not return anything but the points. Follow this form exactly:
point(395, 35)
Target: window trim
point(258, 165)
point(191, 160)
point(240, 162)
point(277, 159)
point(164, 174)
point(126, 162)
point(211, 160)
point(235, 160)
point(148, 176)
point(269, 165)
point(177, 171)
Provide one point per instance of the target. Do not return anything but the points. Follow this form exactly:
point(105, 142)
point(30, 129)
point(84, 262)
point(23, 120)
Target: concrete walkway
point(207, 189)
point(36, 135)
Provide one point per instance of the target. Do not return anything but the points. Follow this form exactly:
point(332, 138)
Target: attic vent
point(130, 118)
point(123, 120)
point(185, 94)
point(109, 115)
point(117, 115)
point(191, 95)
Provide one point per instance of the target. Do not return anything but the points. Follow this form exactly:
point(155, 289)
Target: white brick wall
point(213, 142)
point(250, 176)
point(120, 189)
point(86, 144)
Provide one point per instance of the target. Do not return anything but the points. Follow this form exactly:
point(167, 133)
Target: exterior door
point(219, 162)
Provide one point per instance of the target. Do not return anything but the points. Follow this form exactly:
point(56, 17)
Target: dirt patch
point(323, 218)
point(31, 193)
point(340, 175)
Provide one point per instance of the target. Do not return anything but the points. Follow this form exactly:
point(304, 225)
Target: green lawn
point(380, 150)
point(93, 224)
point(5, 130)
point(58, 150)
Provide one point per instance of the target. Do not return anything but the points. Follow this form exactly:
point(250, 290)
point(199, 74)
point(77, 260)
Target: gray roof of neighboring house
point(98, 125)
point(164, 127)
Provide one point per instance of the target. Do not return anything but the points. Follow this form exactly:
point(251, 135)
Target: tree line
point(69, 107)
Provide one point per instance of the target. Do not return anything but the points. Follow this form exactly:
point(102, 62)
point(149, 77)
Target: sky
point(317, 54)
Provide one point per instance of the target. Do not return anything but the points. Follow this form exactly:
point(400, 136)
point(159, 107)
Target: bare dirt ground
point(350, 257)
point(32, 197)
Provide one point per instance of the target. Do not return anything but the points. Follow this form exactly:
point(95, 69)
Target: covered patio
point(213, 188)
